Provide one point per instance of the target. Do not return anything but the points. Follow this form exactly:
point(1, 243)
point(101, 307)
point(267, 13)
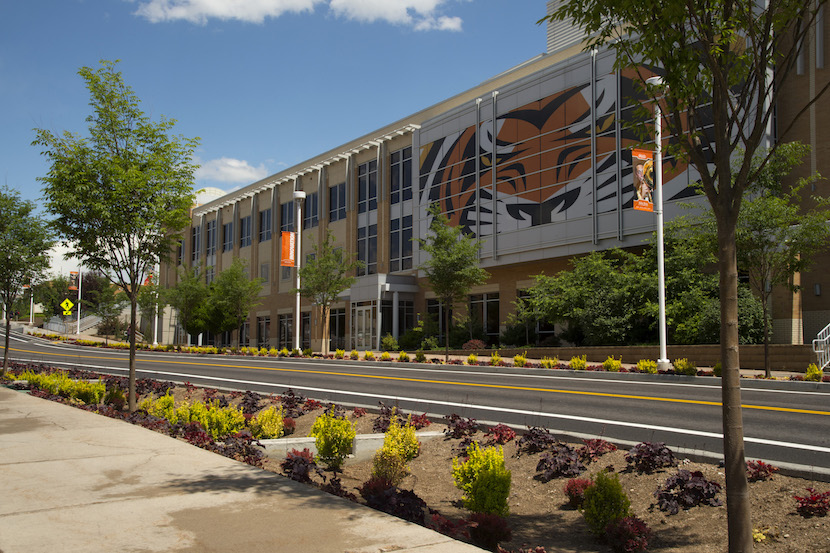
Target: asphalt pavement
point(74, 481)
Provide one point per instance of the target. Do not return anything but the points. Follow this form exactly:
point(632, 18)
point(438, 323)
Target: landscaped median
point(524, 491)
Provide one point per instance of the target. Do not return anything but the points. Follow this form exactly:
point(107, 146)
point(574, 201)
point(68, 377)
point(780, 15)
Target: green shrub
point(647, 366)
point(578, 363)
point(549, 363)
point(217, 421)
point(684, 366)
point(401, 439)
point(403, 357)
point(484, 479)
point(420, 357)
point(116, 397)
point(334, 439)
point(389, 343)
point(717, 370)
point(268, 423)
point(520, 360)
point(472, 359)
point(813, 373)
point(308, 352)
point(604, 502)
point(430, 343)
point(389, 466)
point(612, 365)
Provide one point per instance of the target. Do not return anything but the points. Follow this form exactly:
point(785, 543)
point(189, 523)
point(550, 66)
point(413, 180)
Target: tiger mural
point(543, 163)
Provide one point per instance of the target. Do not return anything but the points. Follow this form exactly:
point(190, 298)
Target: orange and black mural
point(543, 158)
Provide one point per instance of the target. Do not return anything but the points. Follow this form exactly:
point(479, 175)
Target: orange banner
point(642, 162)
point(287, 255)
point(73, 280)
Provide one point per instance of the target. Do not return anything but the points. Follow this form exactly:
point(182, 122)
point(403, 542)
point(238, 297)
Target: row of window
point(367, 185)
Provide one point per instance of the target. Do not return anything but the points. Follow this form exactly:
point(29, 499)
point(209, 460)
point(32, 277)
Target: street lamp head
point(655, 81)
point(299, 195)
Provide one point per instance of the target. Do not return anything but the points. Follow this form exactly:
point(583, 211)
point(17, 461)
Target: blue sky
point(265, 84)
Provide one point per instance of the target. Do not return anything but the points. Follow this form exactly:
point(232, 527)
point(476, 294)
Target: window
point(400, 179)
point(400, 244)
point(210, 274)
point(210, 237)
point(311, 213)
point(244, 334)
point(263, 329)
point(484, 309)
point(305, 330)
point(180, 253)
point(265, 272)
point(196, 243)
point(245, 231)
point(337, 202)
point(435, 310)
point(227, 237)
point(367, 250)
point(337, 329)
point(265, 225)
point(545, 331)
point(285, 331)
point(367, 186)
point(287, 217)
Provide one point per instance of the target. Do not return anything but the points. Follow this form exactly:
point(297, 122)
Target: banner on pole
point(287, 255)
point(642, 162)
point(73, 280)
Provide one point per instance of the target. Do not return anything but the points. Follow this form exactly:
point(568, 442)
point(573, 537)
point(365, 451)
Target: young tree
point(232, 297)
point(452, 268)
point(724, 63)
point(189, 297)
point(324, 277)
point(50, 293)
point(25, 240)
point(121, 196)
point(776, 238)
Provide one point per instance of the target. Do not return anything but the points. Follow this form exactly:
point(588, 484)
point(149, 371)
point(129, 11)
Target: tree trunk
point(133, 312)
point(326, 329)
point(737, 489)
point(446, 331)
point(767, 368)
point(6, 354)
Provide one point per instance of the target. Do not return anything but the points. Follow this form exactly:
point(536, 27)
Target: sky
point(263, 84)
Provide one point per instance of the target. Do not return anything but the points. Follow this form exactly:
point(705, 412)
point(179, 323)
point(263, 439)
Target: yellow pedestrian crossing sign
point(67, 306)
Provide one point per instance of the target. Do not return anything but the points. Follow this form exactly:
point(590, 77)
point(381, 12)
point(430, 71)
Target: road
point(785, 423)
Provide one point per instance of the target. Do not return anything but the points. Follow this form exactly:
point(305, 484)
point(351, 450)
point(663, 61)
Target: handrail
point(821, 346)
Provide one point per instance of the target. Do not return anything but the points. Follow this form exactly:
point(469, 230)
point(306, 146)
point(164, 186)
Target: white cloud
point(199, 11)
point(421, 15)
point(229, 170)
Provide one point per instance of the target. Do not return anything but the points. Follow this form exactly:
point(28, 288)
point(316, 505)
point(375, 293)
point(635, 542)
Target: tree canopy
point(122, 195)
point(25, 240)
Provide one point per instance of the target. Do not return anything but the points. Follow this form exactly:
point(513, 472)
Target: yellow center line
point(451, 383)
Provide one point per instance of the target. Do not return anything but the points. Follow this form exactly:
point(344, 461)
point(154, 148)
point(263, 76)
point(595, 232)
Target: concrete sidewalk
point(76, 481)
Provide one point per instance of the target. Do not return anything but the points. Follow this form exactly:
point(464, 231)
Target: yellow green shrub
point(334, 438)
point(813, 373)
point(612, 365)
point(647, 366)
point(268, 423)
point(549, 363)
point(472, 359)
point(484, 480)
point(578, 363)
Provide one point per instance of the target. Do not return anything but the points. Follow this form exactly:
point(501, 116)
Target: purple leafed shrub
point(685, 490)
point(250, 402)
point(384, 418)
point(196, 435)
point(594, 449)
point(559, 462)
point(292, 404)
point(575, 490)
point(380, 494)
point(459, 427)
point(420, 421)
point(500, 434)
point(814, 504)
point(628, 535)
point(335, 487)
point(298, 465)
point(649, 456)
point(474, 345)
point(757, 471)
point(488, 530)
point(243, 447)
point(535, 440)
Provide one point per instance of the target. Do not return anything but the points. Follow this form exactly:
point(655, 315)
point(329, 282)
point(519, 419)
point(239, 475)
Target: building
point(549, 130)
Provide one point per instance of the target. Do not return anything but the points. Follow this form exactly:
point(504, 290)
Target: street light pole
point(299, 196)
point(663, 362)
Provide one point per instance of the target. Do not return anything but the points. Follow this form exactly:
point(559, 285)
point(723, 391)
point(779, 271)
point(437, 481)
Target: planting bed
point(539, 511)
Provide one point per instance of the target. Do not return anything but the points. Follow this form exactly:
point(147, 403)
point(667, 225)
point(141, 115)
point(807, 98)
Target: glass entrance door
point(364, 327)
